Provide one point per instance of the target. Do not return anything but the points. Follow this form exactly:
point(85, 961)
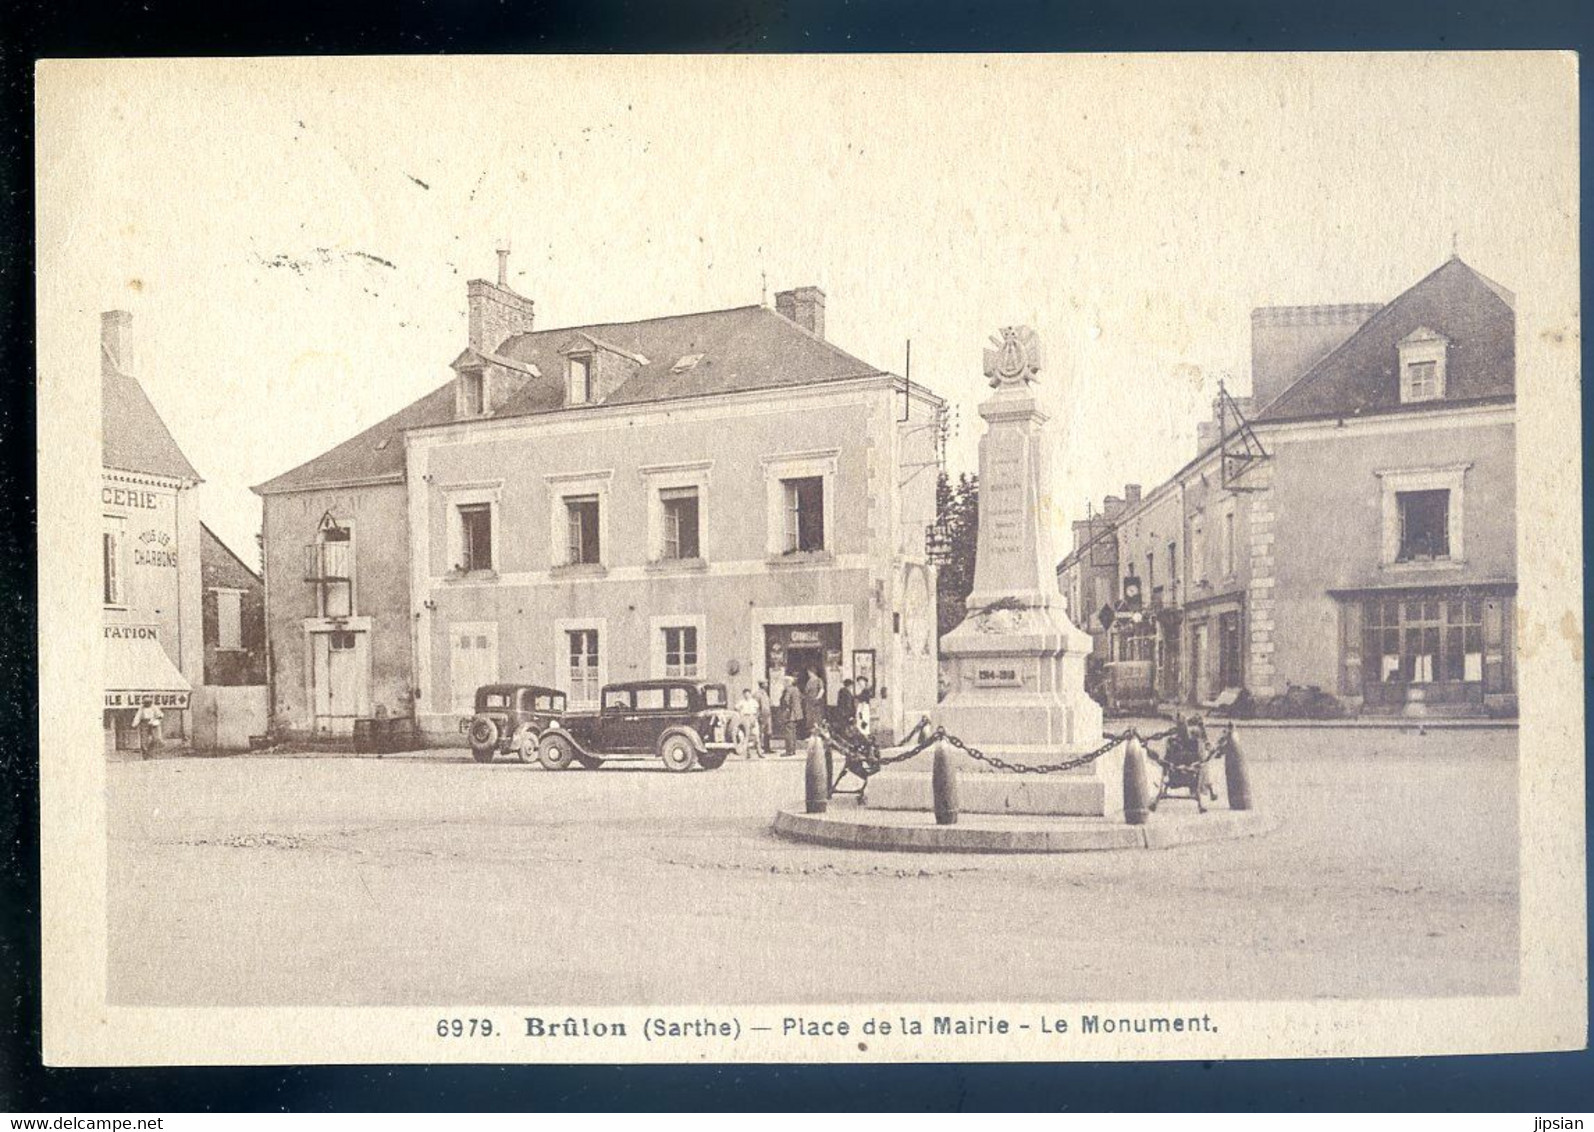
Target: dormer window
point(1422, 366)
point(471, 399)
point(580, 379)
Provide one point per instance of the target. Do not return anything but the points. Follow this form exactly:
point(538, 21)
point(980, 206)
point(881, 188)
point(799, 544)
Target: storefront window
point(1425, 640)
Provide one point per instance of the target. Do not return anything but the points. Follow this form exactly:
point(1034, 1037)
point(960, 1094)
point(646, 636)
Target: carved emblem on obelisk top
point(1014, 357)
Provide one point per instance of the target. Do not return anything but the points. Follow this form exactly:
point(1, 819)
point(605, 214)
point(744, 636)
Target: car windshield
point(714, 695)
point(550, 703)
point(492, 700)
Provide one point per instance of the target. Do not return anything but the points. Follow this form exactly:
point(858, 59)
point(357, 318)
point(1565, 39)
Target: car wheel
point(590, 762)
point(712, 760)
point(556, 753)
point(483, 739)
point(678, 752)
point(525, 745)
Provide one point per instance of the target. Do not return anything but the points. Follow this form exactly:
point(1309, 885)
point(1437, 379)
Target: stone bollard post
point(1136, 787)
point(816, 781)
point(1235, 776)
point(944, 785)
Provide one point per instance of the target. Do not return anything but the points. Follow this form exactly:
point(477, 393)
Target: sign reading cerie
point(129, 497)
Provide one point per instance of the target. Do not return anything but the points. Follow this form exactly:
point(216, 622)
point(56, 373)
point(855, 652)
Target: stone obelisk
point(1017, 664)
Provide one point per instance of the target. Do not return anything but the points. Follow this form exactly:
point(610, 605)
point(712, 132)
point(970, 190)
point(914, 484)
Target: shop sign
point(156, 554)
point(801, 638)
point(131, 633)
point(175, 700)
point(130, 497)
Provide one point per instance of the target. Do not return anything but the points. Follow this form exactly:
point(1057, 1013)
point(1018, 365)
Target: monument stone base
point(1099, 793)
point(1017, 693)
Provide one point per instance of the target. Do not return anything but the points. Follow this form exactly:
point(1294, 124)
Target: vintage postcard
point(810, 558)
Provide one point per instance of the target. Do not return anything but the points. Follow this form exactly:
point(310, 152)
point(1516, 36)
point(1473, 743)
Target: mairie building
point(716, 495)
point(1350, 527)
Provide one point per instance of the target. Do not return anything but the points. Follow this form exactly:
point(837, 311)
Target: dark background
point(28, 31)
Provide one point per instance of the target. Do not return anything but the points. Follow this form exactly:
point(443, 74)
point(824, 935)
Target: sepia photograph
point(810, 558)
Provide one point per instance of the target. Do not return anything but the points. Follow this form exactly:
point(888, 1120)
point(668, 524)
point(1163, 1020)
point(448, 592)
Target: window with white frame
point(229, 618)
point(1422, 517)
point(578, 520)
point(1422, 366)
point(1228, 544)
point(113, 560)
point(678, 522)
point(801, 494)
point(581, 665)
point(580, 379)
point(583, 525)
point(1422, 381)
point(1424, 524)
point(680, 652)
point(677, 497)
point(475, 536)
point(805, 514)
point(336, 550)
point(471, 514)
point(472, 402)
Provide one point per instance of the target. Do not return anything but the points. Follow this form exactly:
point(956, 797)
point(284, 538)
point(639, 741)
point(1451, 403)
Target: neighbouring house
point(1351, 526)
point(720, 495)
point(234, 615)
point(150, 553)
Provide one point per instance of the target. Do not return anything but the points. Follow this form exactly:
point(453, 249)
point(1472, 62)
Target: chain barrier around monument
point(862, 757)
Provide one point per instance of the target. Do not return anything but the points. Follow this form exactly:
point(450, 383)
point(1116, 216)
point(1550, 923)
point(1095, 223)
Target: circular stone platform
point(849, 826)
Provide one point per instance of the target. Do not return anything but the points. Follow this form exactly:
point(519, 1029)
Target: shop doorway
point(807, 647)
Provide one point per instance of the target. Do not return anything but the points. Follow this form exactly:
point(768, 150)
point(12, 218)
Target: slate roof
point(743, 349)
point(133, 436)
point(1361, 375)
point(220, 565)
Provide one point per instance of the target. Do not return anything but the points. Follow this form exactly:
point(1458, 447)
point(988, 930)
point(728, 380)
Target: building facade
point(234, 613)
point(150, 553)
point(721, 495)
point(1350, 528)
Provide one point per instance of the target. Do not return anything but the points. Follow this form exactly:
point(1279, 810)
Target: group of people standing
point(796, 708)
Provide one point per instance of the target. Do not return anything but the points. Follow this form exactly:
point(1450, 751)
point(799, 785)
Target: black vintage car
point(682, 722)
point(510, 718)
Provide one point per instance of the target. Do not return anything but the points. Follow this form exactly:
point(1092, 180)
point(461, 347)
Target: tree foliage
point(957, 509)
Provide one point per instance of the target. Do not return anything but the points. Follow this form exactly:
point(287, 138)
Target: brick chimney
point(496, 313)
point(1131, 494)
point(116, 339)
point(1288, 341)
point(805, 306)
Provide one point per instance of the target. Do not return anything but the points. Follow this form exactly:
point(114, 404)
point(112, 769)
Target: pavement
point(427, 878)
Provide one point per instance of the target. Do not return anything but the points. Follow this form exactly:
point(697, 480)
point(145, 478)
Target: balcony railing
point(327, 562)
